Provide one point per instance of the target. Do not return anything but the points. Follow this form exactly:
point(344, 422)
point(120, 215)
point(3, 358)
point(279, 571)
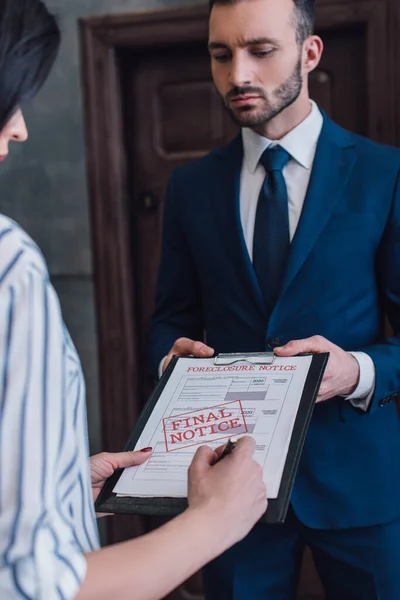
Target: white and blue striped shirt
point(47, 520)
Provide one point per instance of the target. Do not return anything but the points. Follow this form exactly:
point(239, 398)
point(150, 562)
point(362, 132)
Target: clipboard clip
point(254, 358)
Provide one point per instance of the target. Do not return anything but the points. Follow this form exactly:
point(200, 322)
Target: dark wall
point(43, 186)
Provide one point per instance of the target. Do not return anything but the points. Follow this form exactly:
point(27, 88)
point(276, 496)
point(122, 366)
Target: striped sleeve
point(40, 555)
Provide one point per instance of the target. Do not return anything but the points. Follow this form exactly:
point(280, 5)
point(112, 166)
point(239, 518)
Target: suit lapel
point(334, 162)
point(333, 165)
point(226, 208)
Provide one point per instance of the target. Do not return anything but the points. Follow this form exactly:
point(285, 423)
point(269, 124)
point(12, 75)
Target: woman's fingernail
point(146, 449)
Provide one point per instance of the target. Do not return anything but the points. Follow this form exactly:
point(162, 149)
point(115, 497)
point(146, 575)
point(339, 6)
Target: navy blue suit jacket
point(342, 274)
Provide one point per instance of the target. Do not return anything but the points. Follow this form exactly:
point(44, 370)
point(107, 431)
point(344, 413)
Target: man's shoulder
point(370, 150)
point(207, 165)
point(372, 147)
point(19, 254)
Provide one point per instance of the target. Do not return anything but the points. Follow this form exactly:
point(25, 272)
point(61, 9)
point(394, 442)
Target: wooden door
point(172, 114)
point(151, 106)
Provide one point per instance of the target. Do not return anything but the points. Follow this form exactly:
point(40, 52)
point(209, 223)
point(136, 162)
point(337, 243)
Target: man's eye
point(263, 53)
point(221, 57)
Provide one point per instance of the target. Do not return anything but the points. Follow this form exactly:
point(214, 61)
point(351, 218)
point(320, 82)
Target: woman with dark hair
point(49, 544)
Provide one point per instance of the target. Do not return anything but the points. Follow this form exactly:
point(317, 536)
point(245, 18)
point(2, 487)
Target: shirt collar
point(301, 142)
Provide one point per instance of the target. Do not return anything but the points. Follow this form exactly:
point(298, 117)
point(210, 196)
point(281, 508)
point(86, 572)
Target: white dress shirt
point(47, 520)
point(301, 144)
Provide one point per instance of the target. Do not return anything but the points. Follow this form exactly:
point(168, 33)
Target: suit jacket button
point(273, 342)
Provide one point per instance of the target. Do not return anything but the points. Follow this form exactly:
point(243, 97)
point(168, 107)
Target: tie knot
point(274, 159)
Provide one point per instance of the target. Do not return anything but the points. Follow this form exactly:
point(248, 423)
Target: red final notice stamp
point(204, 426)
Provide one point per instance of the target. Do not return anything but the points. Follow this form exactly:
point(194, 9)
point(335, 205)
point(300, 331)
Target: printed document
point(204, 403)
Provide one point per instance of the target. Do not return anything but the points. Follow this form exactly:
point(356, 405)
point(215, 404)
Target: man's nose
point(239, 75)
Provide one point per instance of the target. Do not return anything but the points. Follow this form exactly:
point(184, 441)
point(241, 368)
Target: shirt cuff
point(362, 396)
point(160, 367)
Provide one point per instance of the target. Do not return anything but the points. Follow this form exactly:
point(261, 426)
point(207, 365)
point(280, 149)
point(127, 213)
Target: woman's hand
point(103, 465)
point(231, 492)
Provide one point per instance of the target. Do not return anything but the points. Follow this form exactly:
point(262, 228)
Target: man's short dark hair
point(29, 42)
point(304, 15)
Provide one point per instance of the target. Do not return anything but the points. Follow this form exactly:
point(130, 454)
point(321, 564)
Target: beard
point(272, 105)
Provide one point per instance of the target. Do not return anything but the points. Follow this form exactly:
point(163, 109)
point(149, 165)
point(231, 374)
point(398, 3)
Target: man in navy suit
point(289, 238)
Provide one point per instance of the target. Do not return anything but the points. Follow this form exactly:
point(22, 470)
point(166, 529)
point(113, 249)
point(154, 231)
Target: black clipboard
point(108, 502)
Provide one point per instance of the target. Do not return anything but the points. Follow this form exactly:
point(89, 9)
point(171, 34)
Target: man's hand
point(231, 492)
point(102, 466)
point(186, 347)
point(342, 373)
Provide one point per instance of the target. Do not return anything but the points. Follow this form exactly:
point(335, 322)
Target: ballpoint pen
point(229, 446)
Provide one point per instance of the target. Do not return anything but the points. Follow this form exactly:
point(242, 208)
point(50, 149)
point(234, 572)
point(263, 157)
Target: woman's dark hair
point(29, 42)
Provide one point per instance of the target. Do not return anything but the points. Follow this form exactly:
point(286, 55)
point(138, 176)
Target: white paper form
point(203, 403)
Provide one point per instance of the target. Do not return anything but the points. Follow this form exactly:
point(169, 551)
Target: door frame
point(100, 40)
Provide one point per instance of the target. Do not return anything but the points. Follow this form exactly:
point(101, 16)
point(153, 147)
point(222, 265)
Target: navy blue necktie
point(271, 231)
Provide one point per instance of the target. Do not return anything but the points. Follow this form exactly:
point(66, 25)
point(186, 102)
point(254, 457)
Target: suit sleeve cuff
point(362, 396)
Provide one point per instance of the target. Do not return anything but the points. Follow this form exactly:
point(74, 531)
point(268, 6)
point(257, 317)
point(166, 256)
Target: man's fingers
point(166, 362)
point(182, 347)
point(313, 344)
point(201, 350)
point(293, 348)
point(187, 347)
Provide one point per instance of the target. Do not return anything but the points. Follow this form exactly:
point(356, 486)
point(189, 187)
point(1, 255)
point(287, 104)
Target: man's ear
point(312, 52)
